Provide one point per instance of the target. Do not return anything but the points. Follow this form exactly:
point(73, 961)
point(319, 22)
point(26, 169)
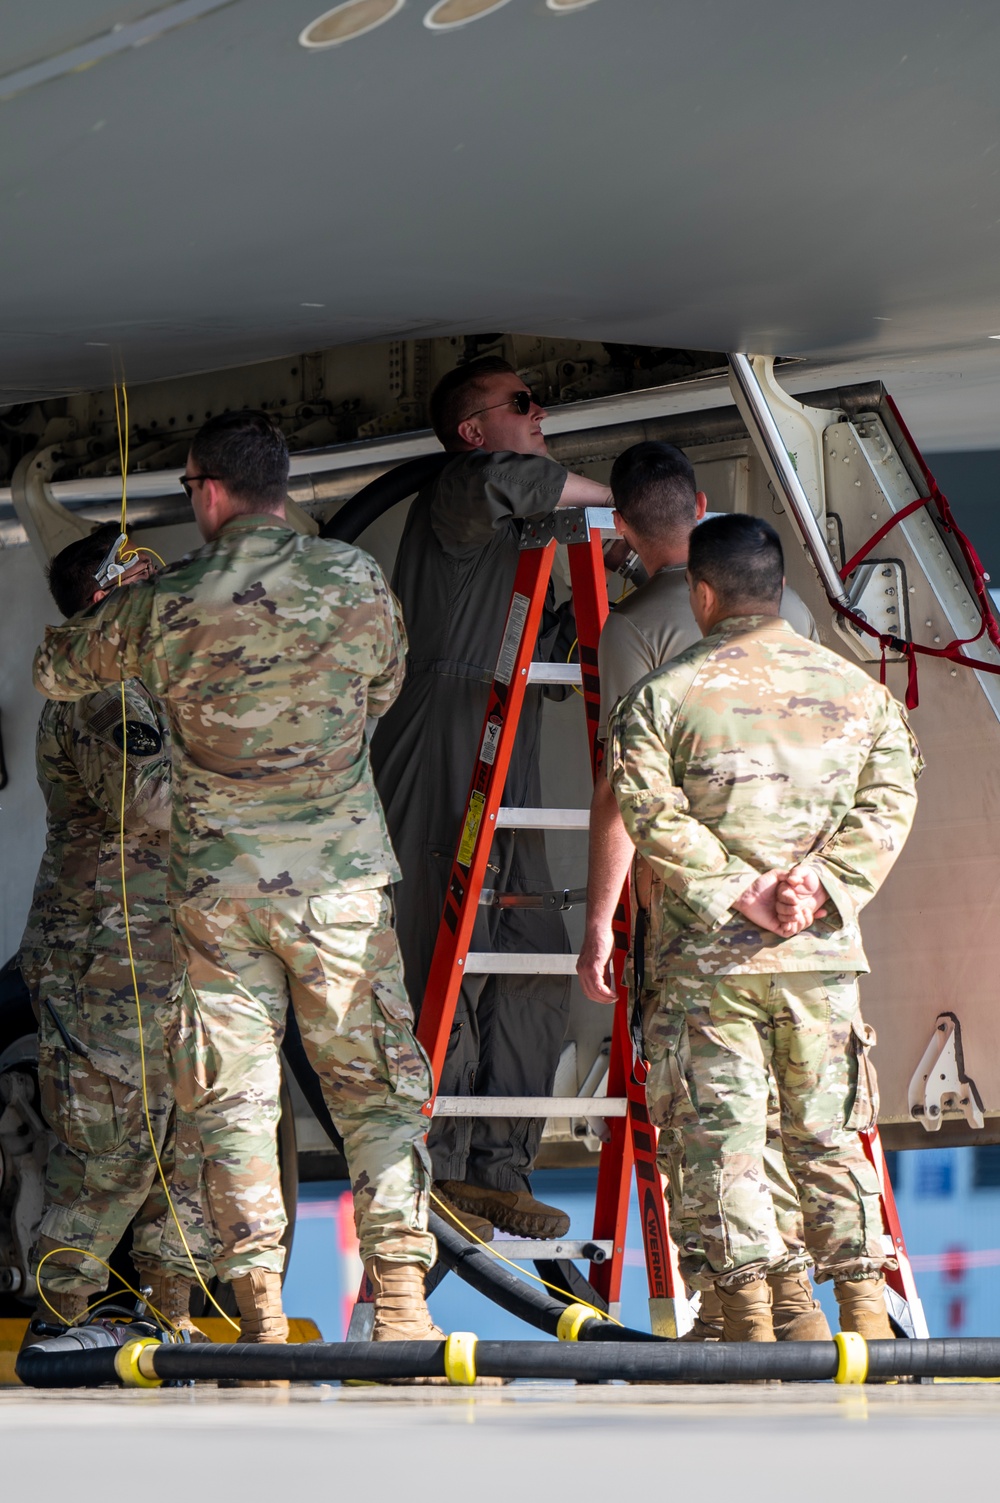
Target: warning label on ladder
point(473, 820)
point(491, 739)
point(511, 638)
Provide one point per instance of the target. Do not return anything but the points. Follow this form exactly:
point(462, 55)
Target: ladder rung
point(526, 1249)
point(543, 819)
point(530, 1106)
point(555, 673)
point(518, 963)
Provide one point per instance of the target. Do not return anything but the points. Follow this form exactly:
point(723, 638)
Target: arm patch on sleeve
point(137, 738)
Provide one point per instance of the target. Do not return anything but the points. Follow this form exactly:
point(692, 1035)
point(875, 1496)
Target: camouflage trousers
point(335, 958)
point(715, 1044)
point(659, 1034)
point(101, 1170)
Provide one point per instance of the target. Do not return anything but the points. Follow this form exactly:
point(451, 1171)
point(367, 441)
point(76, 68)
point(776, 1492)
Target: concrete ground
point(560, 1444)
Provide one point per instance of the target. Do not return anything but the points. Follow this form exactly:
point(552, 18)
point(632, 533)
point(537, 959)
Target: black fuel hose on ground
point(478, 1268)
point(528, 1301)
point(81, 1357)
point(461, 1358)
point(379, 495)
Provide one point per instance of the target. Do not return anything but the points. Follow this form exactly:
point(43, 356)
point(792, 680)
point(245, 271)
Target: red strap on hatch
point(888, 642)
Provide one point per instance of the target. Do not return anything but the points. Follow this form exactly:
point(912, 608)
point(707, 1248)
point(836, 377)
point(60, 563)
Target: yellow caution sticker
point(473, 820)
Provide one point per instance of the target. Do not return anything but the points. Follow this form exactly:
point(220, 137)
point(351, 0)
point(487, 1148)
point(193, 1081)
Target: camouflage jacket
point(77, 902)
point(751, 751)
point(269, 650)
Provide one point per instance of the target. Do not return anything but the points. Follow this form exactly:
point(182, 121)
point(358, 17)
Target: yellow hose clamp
point(573, 1319)
point(852, 1349)
point(134, 1367)
point(460, 1358)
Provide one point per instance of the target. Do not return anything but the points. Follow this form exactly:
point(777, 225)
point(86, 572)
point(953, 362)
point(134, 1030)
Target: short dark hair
point(71, 573)
point(455, 395)
point(247, 452)
point(740, 557)
point(654, 489)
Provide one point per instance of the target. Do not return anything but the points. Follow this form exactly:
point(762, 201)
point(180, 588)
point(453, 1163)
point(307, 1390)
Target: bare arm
point(610, 856)
point(579, 491)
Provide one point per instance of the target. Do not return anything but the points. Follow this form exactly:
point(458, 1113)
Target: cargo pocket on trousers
point(668, 1094)
point(87, 1110)
point(864, 1111)
point(407, 1068)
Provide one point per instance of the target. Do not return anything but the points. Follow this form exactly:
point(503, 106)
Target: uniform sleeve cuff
point(711, 898)
point(842, 898)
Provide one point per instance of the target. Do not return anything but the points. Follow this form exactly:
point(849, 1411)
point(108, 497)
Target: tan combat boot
point(170, 1296)
point(262, 1320)
point(862, 1308)
point(746, 1311)
point(708, 1321)
point(401, 1312)
point(470, 1226)
point(513, 1211)
point(69, 1304)
point(795, 1314)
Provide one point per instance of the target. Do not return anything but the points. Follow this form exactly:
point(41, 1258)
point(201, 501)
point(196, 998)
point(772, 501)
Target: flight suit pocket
point(864, 1111)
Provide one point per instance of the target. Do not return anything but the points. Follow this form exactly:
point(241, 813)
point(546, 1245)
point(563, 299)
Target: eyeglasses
point(187, 481)
point(522, 403)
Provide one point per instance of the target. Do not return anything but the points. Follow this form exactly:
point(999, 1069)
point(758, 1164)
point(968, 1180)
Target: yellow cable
point(94, 1304)
point(123, 455)
point(569, 658)
point(467, 1232)
point(142, 1045)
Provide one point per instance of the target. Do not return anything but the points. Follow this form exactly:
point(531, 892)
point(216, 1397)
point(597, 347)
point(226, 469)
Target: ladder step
point(530, 1106)
point(555, 673)
point(543, 819)
point(494, 963)
point(526, 1249)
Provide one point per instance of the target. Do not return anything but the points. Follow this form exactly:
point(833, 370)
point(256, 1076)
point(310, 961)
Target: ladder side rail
point(633, 1142)
point(489, 775)
point(902, 1279)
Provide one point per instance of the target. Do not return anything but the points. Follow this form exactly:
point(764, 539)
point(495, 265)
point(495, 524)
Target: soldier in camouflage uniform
point(269, 650)
point(657, 507)
point(75, 961)
point(771, 784)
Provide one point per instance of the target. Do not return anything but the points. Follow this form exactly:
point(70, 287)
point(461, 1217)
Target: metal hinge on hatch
point(878, 593)
point(940, 1083)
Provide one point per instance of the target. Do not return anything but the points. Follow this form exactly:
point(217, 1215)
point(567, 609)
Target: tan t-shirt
point(654, 624)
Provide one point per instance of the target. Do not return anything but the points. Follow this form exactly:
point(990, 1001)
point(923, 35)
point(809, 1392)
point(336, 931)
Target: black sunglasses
point(187, 481)
point(521, 401)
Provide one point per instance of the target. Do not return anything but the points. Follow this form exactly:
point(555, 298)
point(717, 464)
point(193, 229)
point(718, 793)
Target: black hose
point(82, 1357)
point(58, 1364)
point(379, 495)
point(529, 1302)
point(941, 1357)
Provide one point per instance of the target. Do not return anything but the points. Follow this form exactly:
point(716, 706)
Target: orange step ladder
point(632, 1141)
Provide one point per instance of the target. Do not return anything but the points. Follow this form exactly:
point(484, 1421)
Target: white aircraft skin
point(723, 176)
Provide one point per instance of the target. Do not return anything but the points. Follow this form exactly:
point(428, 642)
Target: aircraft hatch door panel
point(932, 935)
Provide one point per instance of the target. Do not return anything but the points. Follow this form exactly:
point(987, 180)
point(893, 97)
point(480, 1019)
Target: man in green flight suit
point(454, 574)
